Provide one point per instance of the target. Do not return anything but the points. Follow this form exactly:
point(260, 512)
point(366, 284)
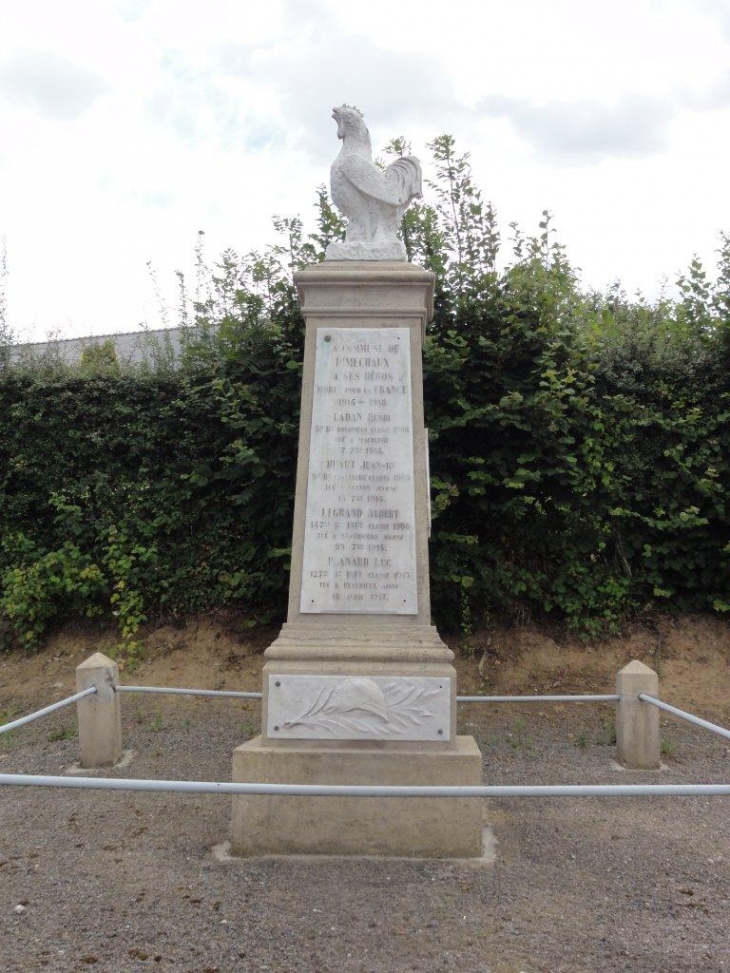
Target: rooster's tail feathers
point(403, 177)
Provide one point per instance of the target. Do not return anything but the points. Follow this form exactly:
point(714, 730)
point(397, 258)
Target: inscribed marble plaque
point(358, 708)
point(359, 535)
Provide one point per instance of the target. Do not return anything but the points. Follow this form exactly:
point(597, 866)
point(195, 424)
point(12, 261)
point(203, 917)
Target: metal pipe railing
point(330, 790)
point(698, 721)
point(602, 698)
point(7, 727)
point(539, 699)
point(170, 691)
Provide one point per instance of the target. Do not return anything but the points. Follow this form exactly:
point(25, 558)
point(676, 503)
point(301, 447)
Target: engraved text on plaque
point(359, 535)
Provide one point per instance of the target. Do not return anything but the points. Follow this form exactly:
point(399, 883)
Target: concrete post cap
point(636, 668)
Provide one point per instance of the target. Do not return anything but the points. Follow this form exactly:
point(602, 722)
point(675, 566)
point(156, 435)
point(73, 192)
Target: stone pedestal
point(435, 827)
point(359, 688)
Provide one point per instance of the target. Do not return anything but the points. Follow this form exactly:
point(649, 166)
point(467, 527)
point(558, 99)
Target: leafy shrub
point(49, 586)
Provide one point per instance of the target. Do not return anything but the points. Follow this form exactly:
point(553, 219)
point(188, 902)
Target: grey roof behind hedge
point(131, 347)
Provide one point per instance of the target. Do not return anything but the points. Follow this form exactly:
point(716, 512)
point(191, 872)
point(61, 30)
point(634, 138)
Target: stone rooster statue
point(372, 201)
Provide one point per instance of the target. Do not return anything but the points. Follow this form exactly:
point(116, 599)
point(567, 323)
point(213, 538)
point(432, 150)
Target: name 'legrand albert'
point(351, 513)
point(355, 513)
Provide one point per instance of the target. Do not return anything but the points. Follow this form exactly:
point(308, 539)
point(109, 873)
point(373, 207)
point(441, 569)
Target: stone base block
point(437, 827)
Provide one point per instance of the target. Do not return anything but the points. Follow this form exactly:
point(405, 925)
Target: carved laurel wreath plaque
point(333, 707)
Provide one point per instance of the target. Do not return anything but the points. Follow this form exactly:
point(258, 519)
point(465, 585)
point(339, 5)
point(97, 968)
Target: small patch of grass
point(516, 735)
point(7, 715)
point(158, 724)
point(249, 729)
point(607, 735)
point(581, 741)
point(667, 747)
point(66, 733)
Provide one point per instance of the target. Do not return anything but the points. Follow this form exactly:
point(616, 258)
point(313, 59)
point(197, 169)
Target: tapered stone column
point(637, 722)
point(359, 688)
point(99, 715)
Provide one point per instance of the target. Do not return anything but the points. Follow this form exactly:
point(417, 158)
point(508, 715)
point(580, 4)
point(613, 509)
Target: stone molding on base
point(355, 640)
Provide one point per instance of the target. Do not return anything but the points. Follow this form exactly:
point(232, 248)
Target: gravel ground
point(118, 882)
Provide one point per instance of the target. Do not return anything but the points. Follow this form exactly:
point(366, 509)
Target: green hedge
point(580, 444)
point(177, 488)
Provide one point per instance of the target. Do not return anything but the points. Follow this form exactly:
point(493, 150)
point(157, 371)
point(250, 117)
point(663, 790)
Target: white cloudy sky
point(128, 125)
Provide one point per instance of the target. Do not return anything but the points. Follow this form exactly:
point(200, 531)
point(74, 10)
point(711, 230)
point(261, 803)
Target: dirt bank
point(690, 653)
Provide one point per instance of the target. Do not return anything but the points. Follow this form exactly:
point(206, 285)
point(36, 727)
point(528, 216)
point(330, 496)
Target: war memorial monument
point(358, 688)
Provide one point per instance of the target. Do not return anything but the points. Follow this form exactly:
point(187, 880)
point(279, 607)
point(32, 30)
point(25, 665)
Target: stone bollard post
point(100, 716)
point(637, 722)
